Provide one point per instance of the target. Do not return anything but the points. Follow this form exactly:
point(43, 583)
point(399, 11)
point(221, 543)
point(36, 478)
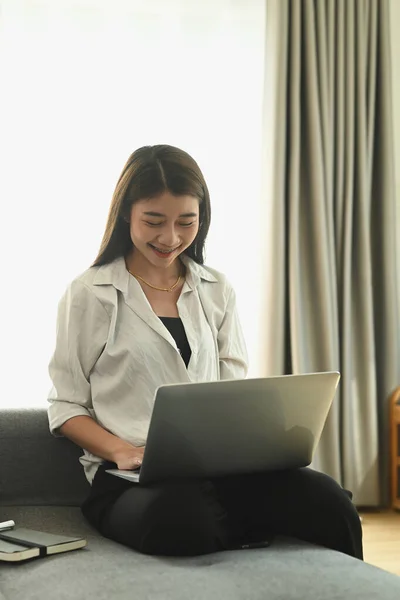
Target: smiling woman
point(120, 337)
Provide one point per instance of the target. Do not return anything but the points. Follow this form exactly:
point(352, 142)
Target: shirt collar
point(116, 274)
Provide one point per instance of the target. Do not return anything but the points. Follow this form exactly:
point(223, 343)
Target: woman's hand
point(128, 457)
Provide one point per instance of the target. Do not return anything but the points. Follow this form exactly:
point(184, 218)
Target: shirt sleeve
point(233, 359)
point(82, 331)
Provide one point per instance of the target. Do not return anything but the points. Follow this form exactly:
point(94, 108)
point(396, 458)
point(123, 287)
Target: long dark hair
point(150, 171)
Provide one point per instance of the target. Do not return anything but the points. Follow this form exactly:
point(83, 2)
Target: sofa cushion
point(287, 570)
point(37, 468)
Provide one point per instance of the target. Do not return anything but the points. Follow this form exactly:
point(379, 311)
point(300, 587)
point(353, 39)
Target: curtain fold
point(331, 276)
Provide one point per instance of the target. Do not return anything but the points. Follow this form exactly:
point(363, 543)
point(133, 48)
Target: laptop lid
point(203, 430)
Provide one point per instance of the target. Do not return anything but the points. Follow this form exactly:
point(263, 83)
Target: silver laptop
point(208, 430)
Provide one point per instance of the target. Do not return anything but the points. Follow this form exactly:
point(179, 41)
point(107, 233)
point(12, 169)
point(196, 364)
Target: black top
point(177, 330)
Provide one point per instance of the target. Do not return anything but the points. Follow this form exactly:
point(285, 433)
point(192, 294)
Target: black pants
point(199, 517)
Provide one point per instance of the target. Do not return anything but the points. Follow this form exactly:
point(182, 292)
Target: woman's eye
point(150, 224)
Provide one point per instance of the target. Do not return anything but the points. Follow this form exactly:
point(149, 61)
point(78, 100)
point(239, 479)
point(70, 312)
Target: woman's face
point(163, 227)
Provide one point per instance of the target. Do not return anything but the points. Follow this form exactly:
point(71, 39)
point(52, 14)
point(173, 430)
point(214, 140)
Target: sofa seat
point(288, 570)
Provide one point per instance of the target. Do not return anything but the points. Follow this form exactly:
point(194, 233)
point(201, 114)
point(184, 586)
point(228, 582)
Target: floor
point(382, 539)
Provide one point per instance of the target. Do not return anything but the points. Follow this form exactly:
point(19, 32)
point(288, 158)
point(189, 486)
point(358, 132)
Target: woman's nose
point(169, 237)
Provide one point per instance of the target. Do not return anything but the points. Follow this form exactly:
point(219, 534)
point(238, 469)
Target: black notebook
point(22, 544)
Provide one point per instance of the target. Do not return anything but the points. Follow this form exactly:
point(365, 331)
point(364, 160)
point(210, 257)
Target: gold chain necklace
point(154, 286)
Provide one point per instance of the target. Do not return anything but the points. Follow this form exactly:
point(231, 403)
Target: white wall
point(84, 83)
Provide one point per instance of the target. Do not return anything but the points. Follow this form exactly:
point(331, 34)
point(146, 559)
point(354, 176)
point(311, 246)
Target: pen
point(5, 525)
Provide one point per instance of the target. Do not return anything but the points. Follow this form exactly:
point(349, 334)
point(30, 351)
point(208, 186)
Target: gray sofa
point(41, 486)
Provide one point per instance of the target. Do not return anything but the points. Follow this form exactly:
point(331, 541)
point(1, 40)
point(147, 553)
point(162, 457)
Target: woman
point(149, 313)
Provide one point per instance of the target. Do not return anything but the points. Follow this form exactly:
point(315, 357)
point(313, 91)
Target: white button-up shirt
point(112, 351)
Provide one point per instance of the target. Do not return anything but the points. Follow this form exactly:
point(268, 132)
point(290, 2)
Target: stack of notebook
point(23, 544)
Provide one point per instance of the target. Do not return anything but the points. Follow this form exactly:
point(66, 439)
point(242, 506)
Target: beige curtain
point(332, 299)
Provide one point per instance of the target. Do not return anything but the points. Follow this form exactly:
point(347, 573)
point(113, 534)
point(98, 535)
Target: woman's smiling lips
point(163, 253)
